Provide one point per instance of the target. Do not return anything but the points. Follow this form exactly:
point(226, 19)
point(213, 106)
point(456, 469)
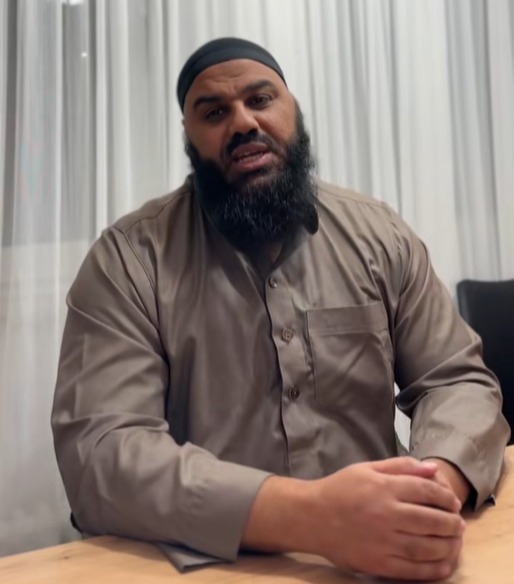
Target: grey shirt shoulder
point(155, 210)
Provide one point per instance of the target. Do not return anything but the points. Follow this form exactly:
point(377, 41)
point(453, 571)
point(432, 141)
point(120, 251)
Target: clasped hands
point(396, 518)
point(399, 518)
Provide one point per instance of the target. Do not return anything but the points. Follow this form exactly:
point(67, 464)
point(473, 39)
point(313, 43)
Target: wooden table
point(488, 557)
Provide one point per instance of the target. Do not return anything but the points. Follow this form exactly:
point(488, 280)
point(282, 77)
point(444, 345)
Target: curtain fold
point(409, 102)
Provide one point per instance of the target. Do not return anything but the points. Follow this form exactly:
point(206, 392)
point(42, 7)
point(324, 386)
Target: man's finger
point(410, 489)
point(419, 548)
point(405, 465)
point(399, 568)
point(421, 520)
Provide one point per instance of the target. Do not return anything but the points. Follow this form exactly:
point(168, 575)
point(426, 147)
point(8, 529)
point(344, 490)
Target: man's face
point(250, 153)
point(241, 116)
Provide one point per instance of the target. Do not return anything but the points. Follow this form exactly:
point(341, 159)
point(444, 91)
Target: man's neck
point(273, 251)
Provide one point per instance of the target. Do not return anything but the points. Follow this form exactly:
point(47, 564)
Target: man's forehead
point(232, 74)
point(219, 51)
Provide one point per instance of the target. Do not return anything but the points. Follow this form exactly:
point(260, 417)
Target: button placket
point(286, 330)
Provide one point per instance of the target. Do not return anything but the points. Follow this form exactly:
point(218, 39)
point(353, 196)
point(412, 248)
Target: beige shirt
point(189, 372)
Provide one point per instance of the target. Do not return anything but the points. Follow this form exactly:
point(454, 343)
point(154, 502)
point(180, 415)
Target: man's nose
point(242, 121)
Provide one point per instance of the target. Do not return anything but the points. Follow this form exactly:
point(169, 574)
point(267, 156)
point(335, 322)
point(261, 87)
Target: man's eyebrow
point(263, 84)
point(213, 99)
point(206, 99)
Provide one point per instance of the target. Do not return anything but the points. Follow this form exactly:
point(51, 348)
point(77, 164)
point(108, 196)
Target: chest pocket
point(352, 358)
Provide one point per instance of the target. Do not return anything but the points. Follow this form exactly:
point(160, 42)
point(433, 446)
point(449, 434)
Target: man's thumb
point(406, 465)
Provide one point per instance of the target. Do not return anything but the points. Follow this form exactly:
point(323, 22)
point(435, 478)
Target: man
point(228, 364)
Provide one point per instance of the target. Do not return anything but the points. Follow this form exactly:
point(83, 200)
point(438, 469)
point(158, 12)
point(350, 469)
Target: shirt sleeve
point(453, 400)
point(123, 472)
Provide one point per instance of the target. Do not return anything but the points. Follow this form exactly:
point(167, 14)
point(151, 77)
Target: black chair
point(488, 307)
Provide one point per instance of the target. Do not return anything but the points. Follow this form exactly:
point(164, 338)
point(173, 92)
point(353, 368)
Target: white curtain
point(410, 101)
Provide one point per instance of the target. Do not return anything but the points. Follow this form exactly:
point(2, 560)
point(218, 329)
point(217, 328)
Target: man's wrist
point(278, 520)
point(454, 477)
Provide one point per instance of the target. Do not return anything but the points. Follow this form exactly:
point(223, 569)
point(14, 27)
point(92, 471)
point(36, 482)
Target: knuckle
point(429, 492)
point(435, 570)
point(446, 549)
point(446, 524)
point(381, 481)
point(433, 494)
point(454, 523)
point(431, 522)
point(437, 524)
point(441, 496)
point(412, 550)
point(377, 515)
point(456, 547)
point(445, 569)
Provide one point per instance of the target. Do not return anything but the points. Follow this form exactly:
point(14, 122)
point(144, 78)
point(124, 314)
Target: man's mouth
point(251, 157)
point(247, 157)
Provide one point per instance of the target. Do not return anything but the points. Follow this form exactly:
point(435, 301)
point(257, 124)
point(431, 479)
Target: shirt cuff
point(185, 559)
point(463, 454)
point(219, 508)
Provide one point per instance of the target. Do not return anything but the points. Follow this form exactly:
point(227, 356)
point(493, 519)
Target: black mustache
point(251, 138)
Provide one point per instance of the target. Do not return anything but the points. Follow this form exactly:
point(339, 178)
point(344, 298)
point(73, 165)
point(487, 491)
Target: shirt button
point(294, 393)
point(287, 335)
point(272, 282)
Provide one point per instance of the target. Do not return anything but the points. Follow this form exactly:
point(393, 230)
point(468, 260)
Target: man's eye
point(214, 113)
point(260, 100)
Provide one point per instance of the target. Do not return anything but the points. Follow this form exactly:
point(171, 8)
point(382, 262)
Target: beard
point(265, 206)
